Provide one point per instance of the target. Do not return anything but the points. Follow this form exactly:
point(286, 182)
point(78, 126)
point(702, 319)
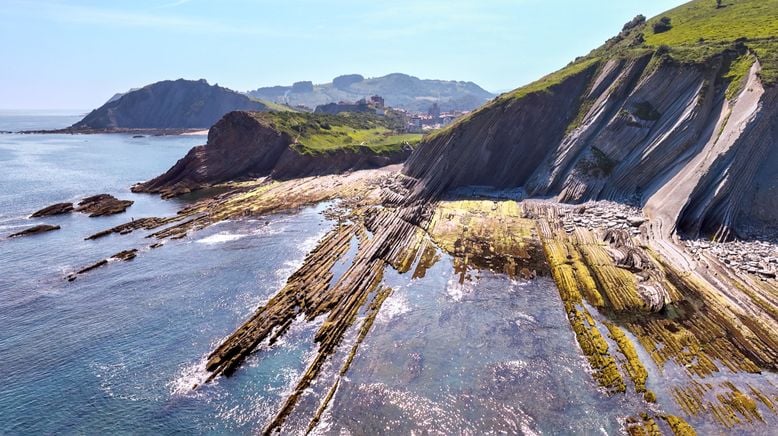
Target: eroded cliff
point(686, 131)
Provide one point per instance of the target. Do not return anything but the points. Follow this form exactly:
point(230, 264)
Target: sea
point(119, 349)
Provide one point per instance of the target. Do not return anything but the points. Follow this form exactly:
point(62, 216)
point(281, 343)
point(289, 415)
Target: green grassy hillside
point(700, 28)
point(319, 133)
point(701, 19)
point(698, 31)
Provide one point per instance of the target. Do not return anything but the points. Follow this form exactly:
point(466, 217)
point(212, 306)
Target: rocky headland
point(166, 107)
point(246, 145)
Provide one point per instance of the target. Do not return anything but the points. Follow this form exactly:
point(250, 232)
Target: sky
point(77, 54)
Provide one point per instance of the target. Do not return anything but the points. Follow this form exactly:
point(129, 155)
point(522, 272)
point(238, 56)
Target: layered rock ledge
point(102, 204)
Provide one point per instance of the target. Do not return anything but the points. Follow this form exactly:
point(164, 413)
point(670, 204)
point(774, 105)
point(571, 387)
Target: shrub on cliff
point(633, 23)
point(663, 25)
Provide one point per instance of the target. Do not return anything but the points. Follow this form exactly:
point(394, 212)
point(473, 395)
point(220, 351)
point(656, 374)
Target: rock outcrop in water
point(34, 230)
point(245, 145)
point(179, 104)
point(54, 209)
point(102, 204)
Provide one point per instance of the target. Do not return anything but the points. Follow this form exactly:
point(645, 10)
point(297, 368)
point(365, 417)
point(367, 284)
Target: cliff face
point(180, 104)
point(501, 144)
point(693, 146)
point(242, 145)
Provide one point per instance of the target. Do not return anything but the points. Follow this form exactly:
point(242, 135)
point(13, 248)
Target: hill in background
point(398, 90)
point(179, 104)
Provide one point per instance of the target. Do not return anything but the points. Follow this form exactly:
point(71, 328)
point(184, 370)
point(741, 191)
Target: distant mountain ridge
point(169, 104)
point(398, 90)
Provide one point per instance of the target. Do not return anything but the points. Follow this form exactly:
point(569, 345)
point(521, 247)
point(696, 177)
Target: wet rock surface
point(54, 209)
point(623, 299)
point(34, 230)
point(102, 204)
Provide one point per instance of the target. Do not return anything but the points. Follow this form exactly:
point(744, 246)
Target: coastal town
point(413, 122)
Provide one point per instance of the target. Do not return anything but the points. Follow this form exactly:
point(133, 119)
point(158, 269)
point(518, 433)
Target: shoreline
point(637, 302)
point(125, 131)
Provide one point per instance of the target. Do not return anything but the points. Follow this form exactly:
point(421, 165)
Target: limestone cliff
point(689, 132)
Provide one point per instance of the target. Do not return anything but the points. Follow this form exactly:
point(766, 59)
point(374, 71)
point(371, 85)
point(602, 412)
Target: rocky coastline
point(621, 286)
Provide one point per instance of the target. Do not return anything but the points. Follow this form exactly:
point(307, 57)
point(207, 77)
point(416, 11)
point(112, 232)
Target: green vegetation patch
point(322, 133)
point(738, 74)
point(701, 19)
point(701, 30)
point(767, 53)
point(553, 79)
point(275, 106)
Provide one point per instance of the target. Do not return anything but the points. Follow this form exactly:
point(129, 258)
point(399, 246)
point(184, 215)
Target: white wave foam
point(188, 377)
point(525, 319)
point(394, 306)
point(456, 291)
point(12, 226)
point(311, 243)
point(220, 238)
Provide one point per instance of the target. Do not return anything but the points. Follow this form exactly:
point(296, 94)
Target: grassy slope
point(319, 133)
point(272, 106)
point(752, 19)
point(699, 31)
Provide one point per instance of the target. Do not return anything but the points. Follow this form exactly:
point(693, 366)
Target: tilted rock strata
point(610, 281)
point(648, 130)
point(102, 204)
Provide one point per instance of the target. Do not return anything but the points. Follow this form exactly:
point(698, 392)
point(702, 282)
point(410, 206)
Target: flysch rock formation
point(675, 148)
point(697, 162)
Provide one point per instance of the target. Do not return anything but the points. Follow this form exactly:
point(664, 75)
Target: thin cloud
point(173, 4)
point(87, 15)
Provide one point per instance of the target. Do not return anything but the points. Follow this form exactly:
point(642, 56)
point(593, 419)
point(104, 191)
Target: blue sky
point(76, 54)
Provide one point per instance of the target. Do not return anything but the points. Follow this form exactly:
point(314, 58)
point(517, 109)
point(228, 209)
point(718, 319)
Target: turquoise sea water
point(118, 350)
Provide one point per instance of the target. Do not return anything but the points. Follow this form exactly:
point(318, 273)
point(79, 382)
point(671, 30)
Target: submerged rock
point(125, 255)
point(34, 230)
point(54, 209)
